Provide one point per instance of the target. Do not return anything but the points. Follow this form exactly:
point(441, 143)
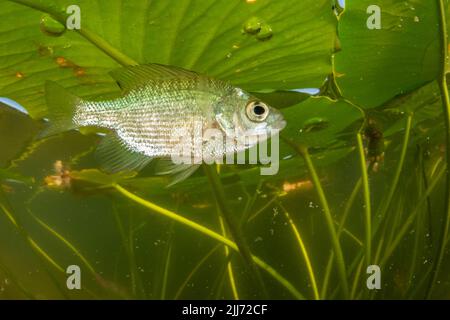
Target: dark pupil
point(259, 110)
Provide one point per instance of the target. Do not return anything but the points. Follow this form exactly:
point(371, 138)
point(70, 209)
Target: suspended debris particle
point(44, 50)
point(79, 72)
point(303, 185)
point(61, 179)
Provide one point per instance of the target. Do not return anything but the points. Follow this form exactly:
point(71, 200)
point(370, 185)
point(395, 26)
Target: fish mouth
point(282, 124)
point(279, 123)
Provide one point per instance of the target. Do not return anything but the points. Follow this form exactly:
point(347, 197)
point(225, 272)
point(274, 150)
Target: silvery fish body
point(163, 109)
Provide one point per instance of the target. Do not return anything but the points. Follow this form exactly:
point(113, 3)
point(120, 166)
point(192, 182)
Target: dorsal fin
point(135, 76)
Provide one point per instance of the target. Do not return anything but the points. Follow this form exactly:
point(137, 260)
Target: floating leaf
point(321, 122)
point(97, 177)
point(203, 35)
point(376, 65)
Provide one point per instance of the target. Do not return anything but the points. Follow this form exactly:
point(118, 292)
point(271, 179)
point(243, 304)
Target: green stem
point(411, 218)
point(399, 168)
point(356, 280)
point(65, 242)
point(194, 271)
point(347, 209)
point(367, 202)
point(41, 253)
point(231, 276)
point(262, 209)
point(420, 230)
point(167, 262)
point(127, 241)
point(303, 151)
point(251, 201)
point(8, 274)
point(95, 39)
point(423, 173)
point(104, 46)
point(440, 252)
point(382, 210)
point(304, 253)
point(214, 235)
point(232, 225)
point(391, 247)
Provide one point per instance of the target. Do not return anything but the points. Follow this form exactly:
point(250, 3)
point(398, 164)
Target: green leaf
point(202, 35)
point(424, 103)
point(376, 65)
point(290, 169)
point(95, 176)
point(321, 122)
point(16, 131)
point(6, 174)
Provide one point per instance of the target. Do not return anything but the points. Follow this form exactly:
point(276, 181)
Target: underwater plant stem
point(304, 252)
point(411, 218)
point(391, 247)
point(194, 271)
point(445, 96)
point(262, 209)
point(229, 265)
point(429, 207)
point(90, 36)
point(356, 280)
point(104, 46)
point(30, 240)
point(67, 243)
point(214, 235)
point(381, 212)
point(7, 273)
point(303, 151)
point(167, 262)
point(127, 240)
point(232, 224)
point(399, 169)
point(40, 253)
point(348, 207)
point(367, 201)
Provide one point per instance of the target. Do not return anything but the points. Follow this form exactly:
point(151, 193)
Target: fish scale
point(162, 108)
point(147, 118)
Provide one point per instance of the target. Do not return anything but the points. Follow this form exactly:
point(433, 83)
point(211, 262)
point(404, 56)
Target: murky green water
point(133, 252)
point(356, 211)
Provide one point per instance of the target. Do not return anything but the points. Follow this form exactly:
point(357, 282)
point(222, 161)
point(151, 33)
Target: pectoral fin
point(115, 156)
point(178, 172)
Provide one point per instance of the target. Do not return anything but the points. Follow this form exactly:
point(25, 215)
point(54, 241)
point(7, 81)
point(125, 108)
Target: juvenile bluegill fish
point(159, 105)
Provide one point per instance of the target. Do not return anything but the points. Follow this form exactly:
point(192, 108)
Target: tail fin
point(61, 106)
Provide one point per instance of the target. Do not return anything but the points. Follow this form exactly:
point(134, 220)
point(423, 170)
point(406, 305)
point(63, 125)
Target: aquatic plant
point(363, 178)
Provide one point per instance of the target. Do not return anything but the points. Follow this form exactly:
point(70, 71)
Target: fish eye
point(257, 111)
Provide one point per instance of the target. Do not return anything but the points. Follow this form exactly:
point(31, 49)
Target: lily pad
point(321, 122)
point(203, 35)
point(95, 176)
point(377, 64)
